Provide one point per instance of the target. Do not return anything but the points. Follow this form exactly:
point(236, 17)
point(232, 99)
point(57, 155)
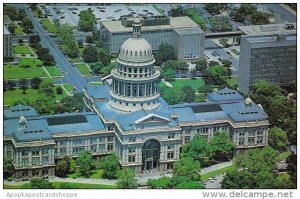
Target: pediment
point(151, 118)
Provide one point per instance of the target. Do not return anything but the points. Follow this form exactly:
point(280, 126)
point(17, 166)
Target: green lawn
point(5, 186)
point(13, 96)
point(53, 70)
point(48, 25)
point(18, 30)
point(83, 69)
point(68, 87)
point(84, 185)
point(216, 172)
point(18, 71)
point(22, 49)
point(95, 83)
point(232, 82)
point(235, 51)
point(194, 83)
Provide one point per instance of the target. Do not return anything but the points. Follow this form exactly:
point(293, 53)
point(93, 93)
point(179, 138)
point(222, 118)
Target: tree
point(11, 84)
point(172, 96)
point(292, 168)
point(110, 166)
point(201, 65)
point(284, 181)
point(126, 179)
point(260, 18)
point(189, 94)
point(46, 87)
point(96, 67)
point(39, 183)
point(178, 11)
point(12, 28)
point(87, 20)
point(48, 60)
point(34, 39)
point(73, 103)
point(62, 167)
point(35, 82)
point(161, 183)
point(187, 167)
point(5, 87)
point(293, 86)
point(220, 145)
point(247, 9)
point(214, 8)
point(189, 185)
point(226, 62)
point(277, 139)
point(11, 11)
point(27, 24)
point(196, 149)
point(23, 82)
point(21, 14)
point(89, 39)
point(8, 167)
point(59, 90)
point(164, 52)
point(85, 163)
point(168, 74)
point(217, 74)
point(238, 180)
point(104, 57)
point(90, 54)
point(205, 89)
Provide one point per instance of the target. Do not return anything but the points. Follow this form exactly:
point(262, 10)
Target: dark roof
point(225, 95)
point(206, 108)
point(66, 120)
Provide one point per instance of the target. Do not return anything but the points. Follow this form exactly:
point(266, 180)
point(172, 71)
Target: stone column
point(29, 158)
point(138, 90)
point(145, 91)
point(131, 90)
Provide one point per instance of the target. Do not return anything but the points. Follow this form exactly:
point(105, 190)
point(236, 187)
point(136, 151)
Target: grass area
point(27, 68)
point(75, 60)
point(53, 70)
point(235, 51)
point(283, 155)
point(83, 69)
point(95, 83)
point(194, 83)
point(193, 13)
point(22, 49)
point(81, 50)
point(6, 186)
point(18, 30)
point(48, 25)
point(57, 185)
point(68, 87)
point(13, 96)
point(232, 82)
point(204, 177)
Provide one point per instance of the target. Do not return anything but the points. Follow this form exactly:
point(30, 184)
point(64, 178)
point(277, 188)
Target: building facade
point(7, 47)
point(268, 53)
point(127, 116)
point(183, 33)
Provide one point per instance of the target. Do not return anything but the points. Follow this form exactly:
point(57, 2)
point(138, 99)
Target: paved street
point(283, 12)
point(62, 62)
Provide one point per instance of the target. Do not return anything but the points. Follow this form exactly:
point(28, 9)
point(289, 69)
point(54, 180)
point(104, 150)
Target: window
point(171, 135)
point(24, 153)
point(45, 160)
point(44, 151)
point(170, 155)
point(131, 150)
point(45, 172)
point(24, 161)
point(131, 158)
point(241, 141)
point(110, 138)
point(170, 146)
point(35, 172)
point(110, 147)
point(36, 152)
point(101, 147)
point(131, 139)
point(187, 139)
point(170, 165)
point(35, 161)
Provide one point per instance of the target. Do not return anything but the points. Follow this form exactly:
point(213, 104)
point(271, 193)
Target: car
point(210, 179)
point(67, 73)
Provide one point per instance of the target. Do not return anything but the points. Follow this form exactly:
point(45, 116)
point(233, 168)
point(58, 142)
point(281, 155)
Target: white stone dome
point(136, 49)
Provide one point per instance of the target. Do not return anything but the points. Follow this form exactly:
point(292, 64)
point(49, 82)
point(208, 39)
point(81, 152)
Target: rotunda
point(135, 80)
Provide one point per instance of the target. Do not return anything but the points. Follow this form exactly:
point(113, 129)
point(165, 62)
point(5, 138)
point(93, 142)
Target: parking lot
point(65, 13)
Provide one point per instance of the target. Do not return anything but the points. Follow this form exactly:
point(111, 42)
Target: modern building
point(182, 32)
point(268, 52)
point(7, 47)
point(128, 117)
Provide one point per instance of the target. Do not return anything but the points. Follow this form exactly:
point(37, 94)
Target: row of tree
point(42, 52)
point(68, 44)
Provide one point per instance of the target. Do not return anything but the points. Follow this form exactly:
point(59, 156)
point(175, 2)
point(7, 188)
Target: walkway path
point(142, 179)
point(167, 83)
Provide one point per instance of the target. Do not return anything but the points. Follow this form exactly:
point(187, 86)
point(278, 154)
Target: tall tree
point(23, 83)
point(90, 54)
point(196, 149)
point(110, 166)
point(164, 52)
point(126, 179)
point(35, 82)
point(39, 183)
point(27, 24)
point(238, 180)
point(220, 145)
point(201, 65)
point(87, 20)
point(217, 74)
point(7, 167)
point(277, 139)
point(62, 167)
point(189, 94)
point(85, 163)
point(11, 84)
point(292, 168)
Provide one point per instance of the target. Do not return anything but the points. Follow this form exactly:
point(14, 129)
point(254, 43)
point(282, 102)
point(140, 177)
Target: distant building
point(7, 21)
point(129, 118)
point(268, 52)
point(182, 32)
point(7, 50)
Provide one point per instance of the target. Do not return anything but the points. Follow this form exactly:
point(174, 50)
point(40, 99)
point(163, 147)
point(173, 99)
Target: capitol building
point(127, 116)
